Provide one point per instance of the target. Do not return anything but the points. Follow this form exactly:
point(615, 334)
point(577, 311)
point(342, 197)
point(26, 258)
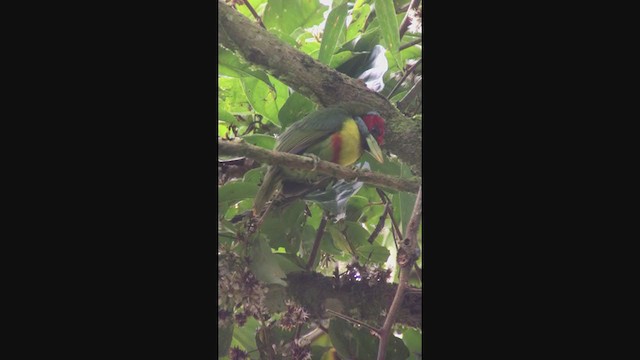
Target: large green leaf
point(264, 263)
point(359, 17)
point(283, 226)
point(262, 98)
point(386, 15)
point(413, 340)
point(235, 191)
point(295, 108)
point(264, 141)
point(352, 343)
point(334, 26)
point(403, 203)
point(373, 254)
point(245, 337)
point(232, 97)
point(226, 116)
point(231, 65)
point(288, 15)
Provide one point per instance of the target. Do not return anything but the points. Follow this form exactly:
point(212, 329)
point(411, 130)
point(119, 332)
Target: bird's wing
point(311, 130)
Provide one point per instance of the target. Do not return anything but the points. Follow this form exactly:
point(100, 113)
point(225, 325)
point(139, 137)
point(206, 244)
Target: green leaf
point(396, 349)
point(275, 297)
point(403, 203)
point(352, 343)
point(232, 96)
point(264, 141)
point(254, 175)
point(289, 263)
point(235, 191)
point(264, 264)
point(287, 15)
point(357, 22)
point(262, 98)
point(413, 340)
point(282, 91)
point(245, 336)
point(356, 234)
point(386, 15)
point(295, 108)
point(225, 335)
point(375, 253)
point(256, 4)
point(334, 26)
point(283, 226)
point(231, 65)
point(225, 116)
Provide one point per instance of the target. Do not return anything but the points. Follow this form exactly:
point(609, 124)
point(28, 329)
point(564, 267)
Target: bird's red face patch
point(375, 124)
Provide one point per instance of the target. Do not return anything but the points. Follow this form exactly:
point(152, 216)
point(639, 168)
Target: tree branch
point(406, 259)
point(322, 167)
point(323, 85)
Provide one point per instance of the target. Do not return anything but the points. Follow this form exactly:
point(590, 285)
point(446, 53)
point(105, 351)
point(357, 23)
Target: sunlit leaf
point(231, 65)
point(287, 15)
point(262, 98)
point(386, 15)
point(264, 141)
point(360, 15)
point(334, 26)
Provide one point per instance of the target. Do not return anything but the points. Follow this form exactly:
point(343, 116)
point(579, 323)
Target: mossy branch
point(323, 167)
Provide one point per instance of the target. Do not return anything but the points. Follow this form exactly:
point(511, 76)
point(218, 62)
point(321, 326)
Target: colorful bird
point(339, 134)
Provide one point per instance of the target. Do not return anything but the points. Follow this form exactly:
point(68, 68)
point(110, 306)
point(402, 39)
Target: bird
point(338, 134)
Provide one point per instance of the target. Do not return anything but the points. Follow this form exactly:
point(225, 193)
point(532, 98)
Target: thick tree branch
point(403, 135)
point(317, 293)
point(406, 259)
point(322, 167)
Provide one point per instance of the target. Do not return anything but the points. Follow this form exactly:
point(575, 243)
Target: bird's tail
point(270, 184)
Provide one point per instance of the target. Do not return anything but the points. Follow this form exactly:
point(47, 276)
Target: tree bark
point(318, 82)
point(323, 167)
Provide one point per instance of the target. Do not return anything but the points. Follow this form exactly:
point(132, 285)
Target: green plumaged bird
point(339, 134)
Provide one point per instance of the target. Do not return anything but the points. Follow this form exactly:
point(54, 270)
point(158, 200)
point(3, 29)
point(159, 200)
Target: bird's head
point(375, 138)
point(375, 124)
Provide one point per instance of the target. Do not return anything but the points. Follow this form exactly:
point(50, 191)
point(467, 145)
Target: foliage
point(256, 106)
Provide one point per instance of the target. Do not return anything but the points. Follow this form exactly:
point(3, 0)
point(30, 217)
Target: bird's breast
point(346, 143)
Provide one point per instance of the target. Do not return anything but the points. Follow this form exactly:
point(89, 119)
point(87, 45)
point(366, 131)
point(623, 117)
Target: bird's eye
point(374, 132)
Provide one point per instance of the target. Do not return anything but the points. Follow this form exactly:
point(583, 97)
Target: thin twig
point(316, 243)
point(410, 44)
point(410, 96)
point(418, 271)
point(322, 167)
point(395, 230)
point(406, 74)
point(352, 320)
point(380, 224)
point(254, 13)
point(405, 270)
point(407, 20)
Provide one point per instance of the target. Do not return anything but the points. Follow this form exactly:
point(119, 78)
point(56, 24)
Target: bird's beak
point(374, 148)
